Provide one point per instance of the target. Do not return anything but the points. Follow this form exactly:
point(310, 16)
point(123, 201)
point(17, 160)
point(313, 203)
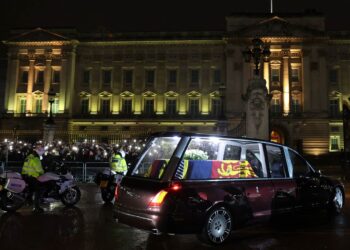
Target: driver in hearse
point(254, 162)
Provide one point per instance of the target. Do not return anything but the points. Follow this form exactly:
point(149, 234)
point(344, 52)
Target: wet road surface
point(90, 225)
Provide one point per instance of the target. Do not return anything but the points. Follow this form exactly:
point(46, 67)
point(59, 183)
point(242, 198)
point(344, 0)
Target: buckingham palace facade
point(107, 86)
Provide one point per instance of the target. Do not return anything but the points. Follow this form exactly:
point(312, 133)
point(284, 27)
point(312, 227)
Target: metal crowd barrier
point(92, 168)
point(2, 167)
point(82, 171)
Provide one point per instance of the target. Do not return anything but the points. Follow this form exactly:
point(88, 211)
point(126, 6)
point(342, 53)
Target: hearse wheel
point(217, 227)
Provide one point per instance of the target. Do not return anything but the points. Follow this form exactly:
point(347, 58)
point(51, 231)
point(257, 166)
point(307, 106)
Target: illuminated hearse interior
point(203, 157)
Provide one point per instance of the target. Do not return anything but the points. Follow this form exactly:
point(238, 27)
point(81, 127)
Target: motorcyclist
point(30, 171)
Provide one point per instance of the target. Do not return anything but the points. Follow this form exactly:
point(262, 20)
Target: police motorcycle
point(14, 191)
point(108, 180)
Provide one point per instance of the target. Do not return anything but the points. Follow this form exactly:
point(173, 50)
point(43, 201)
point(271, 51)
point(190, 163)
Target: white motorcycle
point(14, 191)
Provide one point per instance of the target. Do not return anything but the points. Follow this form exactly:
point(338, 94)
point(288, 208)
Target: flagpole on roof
point(271, 8)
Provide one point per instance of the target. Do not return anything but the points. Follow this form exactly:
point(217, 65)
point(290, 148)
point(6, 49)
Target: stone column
point(70, 80)
point(306, 81)
point(138, 104)
point(159, 104)
point(47, 82)
point(11, 83)
point(63, 86)
point(233, 79)
point(257, 109)
point(267, 75)
point(116, 104)
point(182, 104)
point(322, 83)
point(286, 92)
point(31, 75)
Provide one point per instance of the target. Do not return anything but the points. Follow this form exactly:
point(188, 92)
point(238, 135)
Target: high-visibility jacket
point(32, 166)
point(118, 163)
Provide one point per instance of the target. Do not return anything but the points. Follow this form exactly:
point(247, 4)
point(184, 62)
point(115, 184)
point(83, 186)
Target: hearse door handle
point(193, 200)
point(280, 194)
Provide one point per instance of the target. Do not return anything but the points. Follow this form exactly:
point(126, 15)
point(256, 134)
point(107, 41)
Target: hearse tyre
point(217, 226)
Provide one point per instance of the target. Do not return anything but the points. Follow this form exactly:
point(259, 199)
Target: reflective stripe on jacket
point(32, 166)
point(118, 164)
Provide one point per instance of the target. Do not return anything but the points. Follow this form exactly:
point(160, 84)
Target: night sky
point(129, 15)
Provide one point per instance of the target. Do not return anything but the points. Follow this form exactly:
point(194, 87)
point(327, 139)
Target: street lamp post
point(49, 125)
point(222, 89)
point(257, 97)
point(258, 51)
point(51, 95)
point(346, 136)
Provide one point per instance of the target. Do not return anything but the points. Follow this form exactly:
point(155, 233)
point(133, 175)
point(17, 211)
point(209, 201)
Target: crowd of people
point(86, 151)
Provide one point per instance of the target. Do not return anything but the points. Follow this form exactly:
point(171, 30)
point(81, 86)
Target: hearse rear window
point(218, 158)
point(156, 157)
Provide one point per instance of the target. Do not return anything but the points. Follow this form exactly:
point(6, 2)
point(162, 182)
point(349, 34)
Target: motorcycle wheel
point(9, 205)
point(71, 196)
point(107, 195)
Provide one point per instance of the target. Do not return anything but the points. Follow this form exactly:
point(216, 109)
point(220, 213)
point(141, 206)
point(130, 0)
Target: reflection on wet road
point(90, 225)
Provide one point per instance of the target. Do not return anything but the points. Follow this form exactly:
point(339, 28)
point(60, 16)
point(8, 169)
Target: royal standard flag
point(225, 169)
point(232, 169)
point(199, 170)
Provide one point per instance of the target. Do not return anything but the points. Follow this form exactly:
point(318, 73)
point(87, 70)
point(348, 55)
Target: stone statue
point(257, 109)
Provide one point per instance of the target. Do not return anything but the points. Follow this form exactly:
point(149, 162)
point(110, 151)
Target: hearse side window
point(276, 162)
point(253, 156)
point(232, 152)
point(300, 166)
point(155, 157)
point(214, 158)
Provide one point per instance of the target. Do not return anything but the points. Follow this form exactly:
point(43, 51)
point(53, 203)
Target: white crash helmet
point(122, 153)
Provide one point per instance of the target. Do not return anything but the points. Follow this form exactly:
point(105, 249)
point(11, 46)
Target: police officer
point(118, 162)
point(30, 171)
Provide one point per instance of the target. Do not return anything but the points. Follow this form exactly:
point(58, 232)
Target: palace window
point(194, 78)
point(215, 107)
point(38, 105)
point(105, 106)
point(24, 77)
point(276, 105)
point(296, 107)
point(40, 77)
point(127, 106)
point(295, 75)
point(275, 75)
point(106, 77)
point(193, 107)
point(149, 78)
point(86, 77)
point(85, 106)
point(149, 107)
point(334, 76)
point(217, 76)
point(171, 106)
point(334, 143)
point(172, 76)
point(56, 77)
point(55, 106)
point(23, 106)
point(127, 79)
point(334, 107)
